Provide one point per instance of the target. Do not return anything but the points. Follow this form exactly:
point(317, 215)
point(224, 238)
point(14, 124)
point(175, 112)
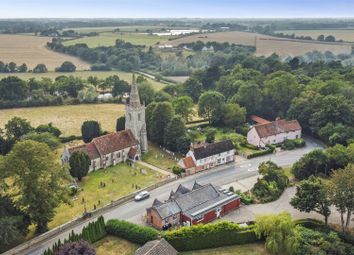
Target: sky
point(176, 8)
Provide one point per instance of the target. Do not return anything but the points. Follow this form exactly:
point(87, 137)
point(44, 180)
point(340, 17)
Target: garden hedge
point(208, 236)
point(270, 149)
point(131, 232)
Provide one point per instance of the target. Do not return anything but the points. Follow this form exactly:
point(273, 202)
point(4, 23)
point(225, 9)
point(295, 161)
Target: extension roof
point(277, 127)
point(208, 150)
point(156, 247)
point(107, 144)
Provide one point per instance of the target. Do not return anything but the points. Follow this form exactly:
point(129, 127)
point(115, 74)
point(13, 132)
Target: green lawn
point(118, 179)
point(246, 249)
point(127, 76)
point(109, 39)
point(159, 158)
point(111, 245)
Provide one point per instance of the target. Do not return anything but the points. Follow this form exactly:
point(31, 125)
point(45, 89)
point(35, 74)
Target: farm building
point(275, 132)
point(107, 150)
point(204, 156)
point(186, 207)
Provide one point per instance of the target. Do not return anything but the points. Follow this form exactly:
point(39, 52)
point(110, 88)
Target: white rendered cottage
point(275, 132)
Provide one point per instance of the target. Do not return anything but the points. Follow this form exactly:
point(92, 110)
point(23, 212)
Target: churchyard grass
point(111, 245)
point(159, 158)
point(101, 187)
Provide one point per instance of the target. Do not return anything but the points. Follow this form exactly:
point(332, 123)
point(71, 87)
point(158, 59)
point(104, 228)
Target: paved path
point(134, 211)
point(161, 171)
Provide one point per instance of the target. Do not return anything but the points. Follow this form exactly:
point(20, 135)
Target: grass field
point(339, 34)
point(118, 179)
point(84, 74)
point(67, 118)
point(31, 50)
point(266, 45)
point(246, 249)
point(158, 158)
point(109, 39)
point(111, 245)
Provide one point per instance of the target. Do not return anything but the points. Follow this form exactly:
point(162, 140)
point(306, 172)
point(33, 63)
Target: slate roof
point(196, 185)
point(212, 149)
point(277, 127)
point(107, 144)
point(156, 247)
point(167, 209)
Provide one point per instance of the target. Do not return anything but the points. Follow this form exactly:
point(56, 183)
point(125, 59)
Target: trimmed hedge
point(66, 139)
point(208, 236)
point(294, 143)
point(131, 232)
point(270, 150)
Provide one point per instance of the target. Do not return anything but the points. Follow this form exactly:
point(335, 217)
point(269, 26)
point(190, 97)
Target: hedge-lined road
point(134, 211)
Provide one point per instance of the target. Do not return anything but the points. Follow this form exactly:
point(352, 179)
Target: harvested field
point(31, 50)
point(266, 45)
point(67, 118)
point(339, 34)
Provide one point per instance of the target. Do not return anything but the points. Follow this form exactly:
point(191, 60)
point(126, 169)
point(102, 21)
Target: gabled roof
point(107, 144)
point(156, 247)
point(188, 162)
point(277, 127)
point(167, 209)
point(212, 149)
point(259, 120)
point(196, 185)
point(181, 190)
point(157, 202)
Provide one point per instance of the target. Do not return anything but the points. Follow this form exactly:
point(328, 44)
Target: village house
point(204, 156)
point(186, 207)
point(275, 132)
point(107, 150)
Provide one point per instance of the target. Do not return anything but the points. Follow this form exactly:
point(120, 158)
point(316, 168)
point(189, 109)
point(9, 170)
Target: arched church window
point(130, 116)
point(139, 116)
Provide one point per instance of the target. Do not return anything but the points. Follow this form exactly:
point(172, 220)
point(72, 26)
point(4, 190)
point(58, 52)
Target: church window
point(139, 116)
point(130, 116)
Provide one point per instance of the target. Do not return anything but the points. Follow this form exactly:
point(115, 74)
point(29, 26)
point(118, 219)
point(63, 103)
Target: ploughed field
point(339, 34)
point(32, 50)
point(266, 45)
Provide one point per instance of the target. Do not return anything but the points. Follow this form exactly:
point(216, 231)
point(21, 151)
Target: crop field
point(68, 118)
point(84, 74)
point(266, 45)
point(31, 50)
point(339, 34)
point(109, 39)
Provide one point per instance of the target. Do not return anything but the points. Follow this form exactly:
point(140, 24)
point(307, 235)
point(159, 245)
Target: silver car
point(142, 195)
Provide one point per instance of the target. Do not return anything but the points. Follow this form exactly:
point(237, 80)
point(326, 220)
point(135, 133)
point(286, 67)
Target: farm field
point(246, 249)
point(31, 50)
point(339, 34)
point(266, 45)
point(118, 181)
point(68, 118)
point(109, 39)
point(111, 245)
point(83, 74)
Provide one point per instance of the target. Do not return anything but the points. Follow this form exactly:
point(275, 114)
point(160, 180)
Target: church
point(113, 148)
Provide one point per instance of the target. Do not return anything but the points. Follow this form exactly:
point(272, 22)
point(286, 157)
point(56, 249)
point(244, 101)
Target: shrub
point(245, 198)
point(131, 232)
point(209, 236)
point(288, 145)
point(299, 143)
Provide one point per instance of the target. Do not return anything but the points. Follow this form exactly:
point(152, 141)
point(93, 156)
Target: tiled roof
point(107, 144)
point(213, 149)
point(188, 162)
point(181, 190)
point(259, 120)
point(156, 247)
point(196, 185)
point(132, 152)
point(277, 127)
point(167, 209)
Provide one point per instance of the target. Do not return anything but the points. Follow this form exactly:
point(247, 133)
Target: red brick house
point(201, 204)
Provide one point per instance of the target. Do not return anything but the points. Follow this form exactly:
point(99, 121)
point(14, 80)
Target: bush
point(245, 199)
point(299, 143)
point(66, 139)
point(288, 145)
point(209, 236)
point(131, 232)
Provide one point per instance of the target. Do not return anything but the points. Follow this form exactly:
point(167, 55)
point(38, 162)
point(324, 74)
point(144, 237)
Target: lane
point(134, 211)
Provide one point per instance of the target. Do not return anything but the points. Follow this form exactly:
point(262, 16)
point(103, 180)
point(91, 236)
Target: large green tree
point(211, 105)
point(312, 163)
point(38, 181)
point(17, 127)
point(146, 93)
point(234, 115)
point(79, 164)
point(173, 131)
point(249, 96)
point(160, 118)
point(90, 129)
point(183, 106)
point(312, 195)
point(193, 88)
point(13, 88)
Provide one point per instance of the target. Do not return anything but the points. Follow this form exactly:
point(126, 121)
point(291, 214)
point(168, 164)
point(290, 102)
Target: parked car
point(142, 195)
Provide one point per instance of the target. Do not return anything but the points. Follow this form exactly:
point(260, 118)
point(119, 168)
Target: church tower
point(135, 117)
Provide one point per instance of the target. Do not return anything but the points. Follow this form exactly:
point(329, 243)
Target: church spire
point(134, 100)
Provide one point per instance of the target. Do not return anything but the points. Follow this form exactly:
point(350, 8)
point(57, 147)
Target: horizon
point(159, 9)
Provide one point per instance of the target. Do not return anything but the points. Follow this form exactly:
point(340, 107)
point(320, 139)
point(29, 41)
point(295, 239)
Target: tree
point(48, 128)
point(174, 130)
point(193, 88)
point(90, 129)
point(17, 127)
point(234, 115)
point(280, 232)
point(37, 179)
point(79, 164)
point(40, 68)
point(120, 87)
point(67, 66)
point(228, 86)
point(22, 68)
point(312, 195)
point(13, 88)
point(49, 139)
point(146, 93)
point(183, 144)
point(210, 105)
point(87, 94)
point(210, 135)
point(160, 118)
point(249, 96)
point(183, 106)
point(120, 125)
point(76, 248)
point(320, 38)
point(341, 190)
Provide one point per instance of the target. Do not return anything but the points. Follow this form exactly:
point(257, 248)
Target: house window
point(199, 217)
point(219, 161)
point(297, 136)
